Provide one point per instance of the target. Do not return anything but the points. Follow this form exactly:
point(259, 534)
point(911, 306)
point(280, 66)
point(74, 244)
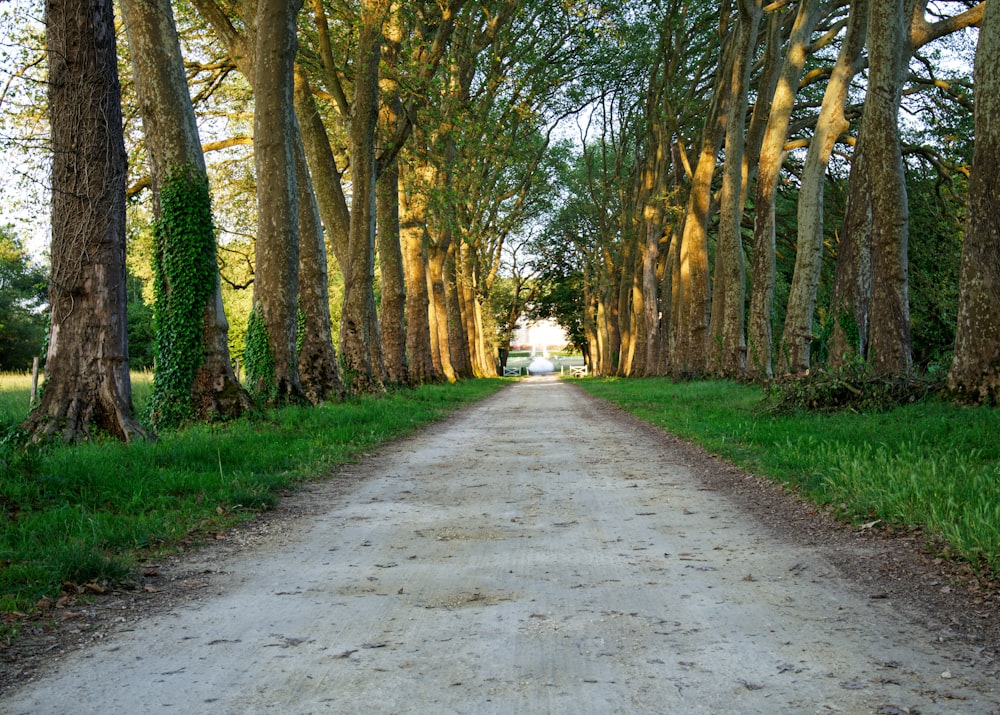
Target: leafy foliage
point(23, 288)
point(141, 327)
point(258, 358)
point(184, 278)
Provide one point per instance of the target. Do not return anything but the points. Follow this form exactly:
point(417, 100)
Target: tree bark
point(413, 233)
point(760, 361)
point(694, 291)
point(975, 369)
point(458, 347)
point(393, 303)
point(436, 258)
point(323, 171)
point(277, 248)
point(727, 343)
point(317, 360)
point(87, 385)
point(796, 337)
point(174, 149)
point(653, 224)
point(890, 345)
point(359, 330)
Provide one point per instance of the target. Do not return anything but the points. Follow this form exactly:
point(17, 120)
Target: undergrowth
point(851, 387)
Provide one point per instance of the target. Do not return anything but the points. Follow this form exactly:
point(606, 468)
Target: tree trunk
point(890, 345)
point(760, 361)
point(797, 334)
point(853, 274)
point(623, 289)
point(323, 171)
point(393, 304)
point(975, 370)
point(317, 359)
point(727, 343)
point(413, 234)
point(436, 259)
point(694, 291)
point(652, 226)
point(359, 336)
point(194, 376)
point(87, 386)
point(458, 348)
point(277, 250)
point(393, 313)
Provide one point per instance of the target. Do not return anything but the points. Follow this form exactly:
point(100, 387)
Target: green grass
point(15, 393)
point(930, 465)
point(77, 514)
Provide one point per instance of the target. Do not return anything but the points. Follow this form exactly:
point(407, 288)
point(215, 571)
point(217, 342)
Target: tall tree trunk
point(671, 299)
point(277, 251)
point(853, 274)
point(393, 303)
point(87, 386)
point(890, 344)
point(436, 258)
point(194, 375)
point(655, 185)
point(458, 348)
point(727, 342)
point(694, 291)
point(975, 370)
point(317, 359)
point(797, 334)
point(591, 334)
point(623, 287)
point(323, 171)
point(359, 336)
point(413, 234)
point(760, 361)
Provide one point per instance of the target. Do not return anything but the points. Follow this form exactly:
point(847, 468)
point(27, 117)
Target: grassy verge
point(84, 514)
point(930, 465)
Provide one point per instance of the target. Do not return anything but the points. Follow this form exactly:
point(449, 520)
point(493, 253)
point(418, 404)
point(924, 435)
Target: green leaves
point(184, 280)
point(258, 358)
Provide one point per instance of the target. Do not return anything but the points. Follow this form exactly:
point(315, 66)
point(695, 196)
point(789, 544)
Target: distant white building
point(540, 336)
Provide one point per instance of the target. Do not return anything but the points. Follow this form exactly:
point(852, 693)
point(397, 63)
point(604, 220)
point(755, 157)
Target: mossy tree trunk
point(87, 386)
point(317, 360)
point(194, 376)
point(890, 344)
point(975, 370)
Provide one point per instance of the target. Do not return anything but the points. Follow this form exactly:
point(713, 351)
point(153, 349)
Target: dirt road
point(536, 554)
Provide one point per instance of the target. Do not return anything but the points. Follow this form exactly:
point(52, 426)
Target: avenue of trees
point(345, 197)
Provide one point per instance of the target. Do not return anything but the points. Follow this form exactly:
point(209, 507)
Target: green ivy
point(258, 358)
point(184, 279)
point(300, 330)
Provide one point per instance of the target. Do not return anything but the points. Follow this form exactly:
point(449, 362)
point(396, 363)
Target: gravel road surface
point(538, 553)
